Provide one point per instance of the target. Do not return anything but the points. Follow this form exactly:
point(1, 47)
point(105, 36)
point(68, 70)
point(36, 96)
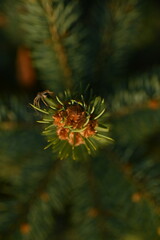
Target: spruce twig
point(57, 44)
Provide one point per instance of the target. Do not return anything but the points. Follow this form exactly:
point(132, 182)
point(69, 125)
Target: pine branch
point(137, 90)
point(24, 209)
point(134, 107)
point(55, 36)
point(152, 104)
point(122, 203)
point(116, 23)
point(97, 211)
point(52, 34)
point(57, 44)
point(14, 110)
point(138, 94)
point(125, 18)
point(141, 186)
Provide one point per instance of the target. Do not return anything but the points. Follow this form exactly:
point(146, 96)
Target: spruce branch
point(23, 209)
point(116, 23)
point(141, 186)
point(97, 212)
point(152, 104)
point(57, 44)
point(14, 109)
point(139, 93)
point(53, 33)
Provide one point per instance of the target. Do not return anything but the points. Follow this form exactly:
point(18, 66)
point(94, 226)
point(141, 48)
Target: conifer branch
point(57, 44)
point(116, 23)
point(152, 104)
point(126, 170)
point(98, 212)
point(24, 209)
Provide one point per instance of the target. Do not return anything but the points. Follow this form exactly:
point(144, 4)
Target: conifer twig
point(57, 44)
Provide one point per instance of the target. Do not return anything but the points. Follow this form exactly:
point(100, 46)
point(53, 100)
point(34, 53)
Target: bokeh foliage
point(114, 195)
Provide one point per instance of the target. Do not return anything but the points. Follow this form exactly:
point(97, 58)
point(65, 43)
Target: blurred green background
point(113, 46)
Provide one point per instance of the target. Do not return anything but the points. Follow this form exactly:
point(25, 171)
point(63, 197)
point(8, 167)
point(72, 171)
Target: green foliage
point(135, 107)
point(65, 48)
point(115, 194)
point(54, 33)
point(15, 109)
point(116, 34)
